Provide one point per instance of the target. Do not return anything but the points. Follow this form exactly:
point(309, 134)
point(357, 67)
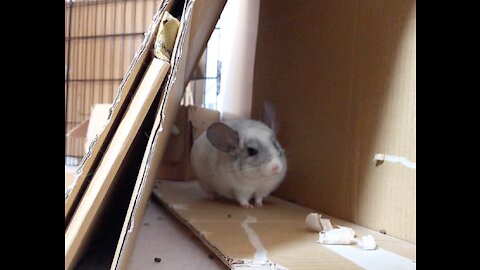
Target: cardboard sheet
point(343, 77)
point(279, 228)
point(102, 139)
point(119, 202)
point(164, 119)
point(81, 223)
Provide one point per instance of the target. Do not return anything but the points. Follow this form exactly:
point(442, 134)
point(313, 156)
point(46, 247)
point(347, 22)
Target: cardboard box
point(345, 91)
point(112, 165)
point(342, 75)
point(89, 128)
point(69, 173)
point(190, 123)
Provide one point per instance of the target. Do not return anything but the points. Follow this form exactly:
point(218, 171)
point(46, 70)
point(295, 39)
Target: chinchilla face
point(260, 154)
point(252, 146)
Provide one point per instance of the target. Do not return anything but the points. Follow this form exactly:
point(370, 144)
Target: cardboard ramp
point(274, 236)
point(111, 186)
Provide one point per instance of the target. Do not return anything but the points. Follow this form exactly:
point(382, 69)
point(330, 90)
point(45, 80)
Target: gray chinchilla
point(240, 159)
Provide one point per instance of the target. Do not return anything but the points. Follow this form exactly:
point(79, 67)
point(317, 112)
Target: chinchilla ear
point(223, 137)
point(269, 116)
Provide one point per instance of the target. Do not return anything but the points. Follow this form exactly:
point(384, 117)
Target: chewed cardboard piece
point(336, 236)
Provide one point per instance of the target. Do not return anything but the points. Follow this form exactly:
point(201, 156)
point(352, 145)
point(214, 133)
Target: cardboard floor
point(275, 234)
point(162, 236)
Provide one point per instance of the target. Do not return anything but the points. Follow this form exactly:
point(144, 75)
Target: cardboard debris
point(166, 37)
point(368, 242)
point(315, 222)
point(312, 221)
point(337, 236)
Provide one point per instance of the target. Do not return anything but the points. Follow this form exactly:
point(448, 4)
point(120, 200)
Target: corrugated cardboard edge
point(161, 129)
point(87, 166)
point(156, 144)
point(106, 178)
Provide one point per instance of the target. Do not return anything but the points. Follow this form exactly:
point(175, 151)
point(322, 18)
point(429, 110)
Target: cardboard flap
point(101, 141)
point(108, 172)
point(79, 131)
point(204, 18)
point(176, 144)
point(93, 125)
point(169, 104)
point(201, 118)
point(98, 119)
point(165, 117)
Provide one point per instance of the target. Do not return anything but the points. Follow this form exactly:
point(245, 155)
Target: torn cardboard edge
point(160, 133)
point(169, 104)
point(163, 47)
point(315, 222)
point(93, 201)
point(100, 142)
point(162, 123)
point(108, 171)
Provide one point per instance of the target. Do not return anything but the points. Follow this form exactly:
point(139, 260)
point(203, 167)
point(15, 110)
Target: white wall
point(239, 24)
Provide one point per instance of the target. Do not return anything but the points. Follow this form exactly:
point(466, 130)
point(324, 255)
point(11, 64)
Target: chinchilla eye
point(278, 147)
point(251, 151)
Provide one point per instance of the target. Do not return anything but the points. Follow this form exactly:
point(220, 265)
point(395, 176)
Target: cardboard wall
point(343, 77)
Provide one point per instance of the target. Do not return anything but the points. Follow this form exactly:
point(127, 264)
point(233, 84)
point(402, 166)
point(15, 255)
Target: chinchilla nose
point(276, 168)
